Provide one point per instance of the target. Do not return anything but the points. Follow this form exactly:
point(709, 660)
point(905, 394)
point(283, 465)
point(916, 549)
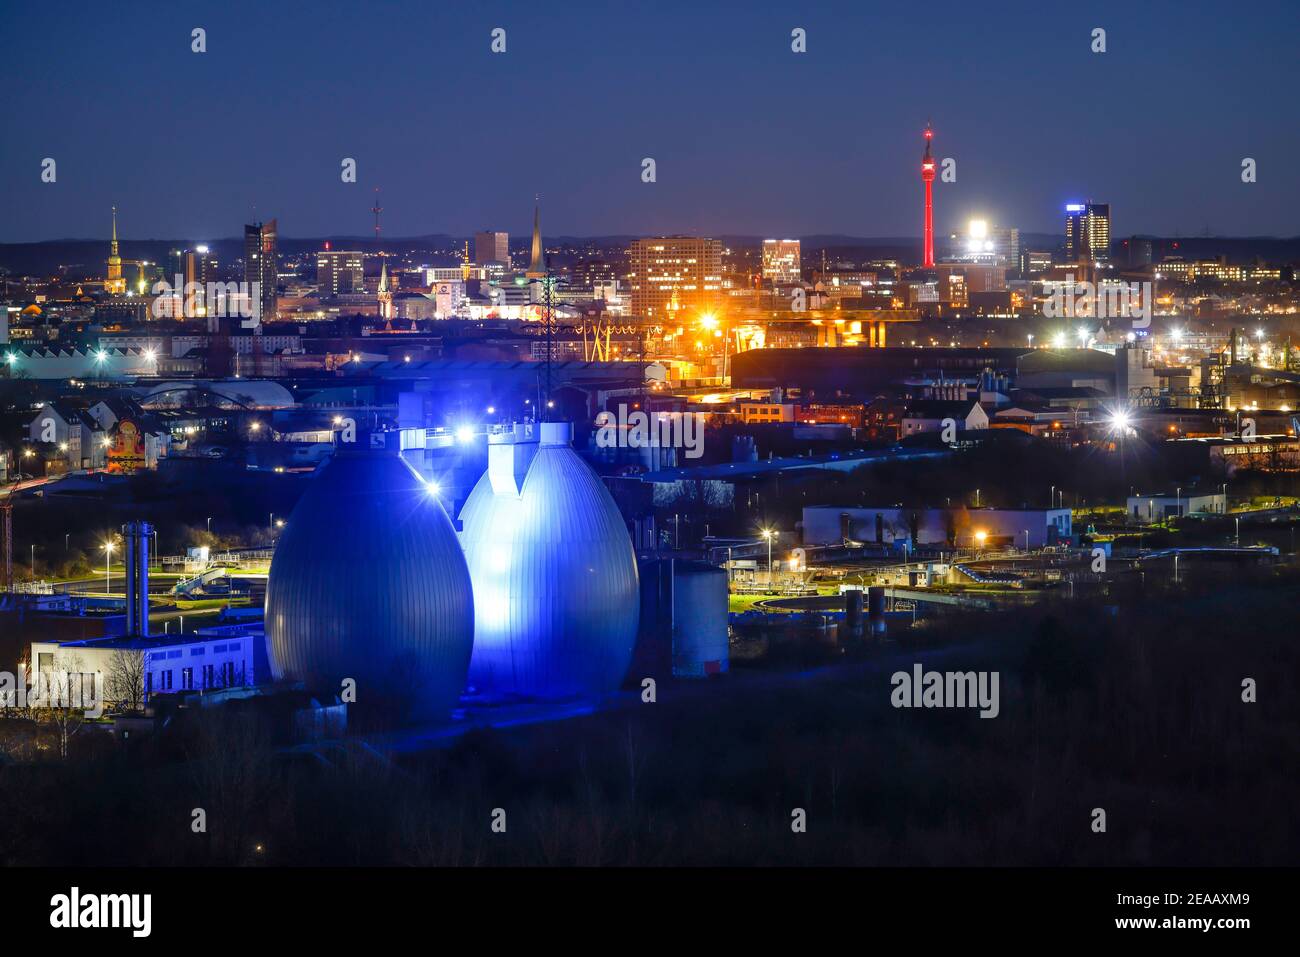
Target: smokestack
point(136, 535)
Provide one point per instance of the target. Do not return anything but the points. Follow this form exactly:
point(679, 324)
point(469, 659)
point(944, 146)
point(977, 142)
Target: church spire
point(537, 265)
point(114, 283)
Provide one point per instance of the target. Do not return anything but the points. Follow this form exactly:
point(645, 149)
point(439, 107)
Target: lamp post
point(209, 524)
point(769, 535)
point(108, 558)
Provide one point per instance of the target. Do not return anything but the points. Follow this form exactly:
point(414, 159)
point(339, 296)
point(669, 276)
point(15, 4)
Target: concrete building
point(671, 275)
point(491, 247)
point(340, 271)
point(954, 527)
point(930, 415)
point(1161, 507)
point(781, 260)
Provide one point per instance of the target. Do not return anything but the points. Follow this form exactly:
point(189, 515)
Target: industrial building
point(369, 584)
point(553, 571)
point(1162, 506)
point(954, 527)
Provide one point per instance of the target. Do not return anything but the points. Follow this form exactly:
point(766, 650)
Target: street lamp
point(209, 524)
point(769, 535)
point(980, 536)
point(108, 558)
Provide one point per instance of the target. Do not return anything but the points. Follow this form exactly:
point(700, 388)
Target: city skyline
point(837, 129)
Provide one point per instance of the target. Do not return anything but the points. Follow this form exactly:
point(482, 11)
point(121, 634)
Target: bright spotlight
point(464, 434)
point(1058, 340)
point(433, 488)
point(1120, 421)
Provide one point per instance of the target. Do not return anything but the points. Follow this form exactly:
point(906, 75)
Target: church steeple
point(385, 293)
point(114, 284)
point(537, 264)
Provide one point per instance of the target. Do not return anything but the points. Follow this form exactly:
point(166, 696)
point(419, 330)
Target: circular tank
point(700, 636)
point(369, 582)
point(555, 579)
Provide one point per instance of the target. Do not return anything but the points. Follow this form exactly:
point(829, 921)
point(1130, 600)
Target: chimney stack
point(136, 535)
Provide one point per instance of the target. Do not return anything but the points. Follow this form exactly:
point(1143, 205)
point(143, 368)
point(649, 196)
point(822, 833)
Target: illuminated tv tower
point(927, 176)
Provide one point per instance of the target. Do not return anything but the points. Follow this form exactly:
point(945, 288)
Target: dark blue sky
point(748, 137)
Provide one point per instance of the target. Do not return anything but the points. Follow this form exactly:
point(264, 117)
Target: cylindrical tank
point(853, 609)
point(368, 582)
point(554, 574)
point(700, 637)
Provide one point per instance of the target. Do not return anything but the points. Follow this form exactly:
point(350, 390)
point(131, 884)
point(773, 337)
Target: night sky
point(749, 138)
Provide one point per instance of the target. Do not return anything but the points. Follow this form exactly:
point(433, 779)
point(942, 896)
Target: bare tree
point(63, 699)
point(125, 679)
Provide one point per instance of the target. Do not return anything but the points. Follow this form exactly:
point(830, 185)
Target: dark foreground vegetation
point(1132, 704)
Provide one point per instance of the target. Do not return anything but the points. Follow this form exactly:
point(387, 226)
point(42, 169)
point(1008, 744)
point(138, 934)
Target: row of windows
point(209, 677)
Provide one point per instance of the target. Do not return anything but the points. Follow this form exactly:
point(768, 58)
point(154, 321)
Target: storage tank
point(553, 571)
point(700, 635)
point(369, 582)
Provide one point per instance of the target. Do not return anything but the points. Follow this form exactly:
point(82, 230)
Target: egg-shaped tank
point(369, 582)
point(554, 574)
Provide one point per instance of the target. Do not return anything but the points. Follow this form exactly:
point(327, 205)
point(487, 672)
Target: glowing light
point(433, 488)
point(1058, 340)
point(978, 229)
point(1120, 420)
point(464, 434)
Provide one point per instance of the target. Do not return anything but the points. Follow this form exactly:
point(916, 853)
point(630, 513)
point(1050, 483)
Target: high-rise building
point(1087, 233)
point(114, 283)
point(986, 243)
point(340, 271)
point(781, 260)
point(672, 273)
point(260, 264)
point(192, 265)
point(491, 247)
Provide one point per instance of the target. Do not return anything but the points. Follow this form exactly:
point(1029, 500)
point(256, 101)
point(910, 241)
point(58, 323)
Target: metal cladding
point(136, 535)
point(369, 582)
point(701, 644)
point(555, 578)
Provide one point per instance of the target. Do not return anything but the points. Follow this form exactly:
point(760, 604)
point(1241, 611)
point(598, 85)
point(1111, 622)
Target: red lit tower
point(927, 176)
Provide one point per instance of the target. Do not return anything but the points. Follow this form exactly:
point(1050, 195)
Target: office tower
point(339, 271)
point(491, 247)
point(781, 260)
point(114, 283)
point(1087, 233)
point(669, 274)
point(991, 244)
point(260, 263)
